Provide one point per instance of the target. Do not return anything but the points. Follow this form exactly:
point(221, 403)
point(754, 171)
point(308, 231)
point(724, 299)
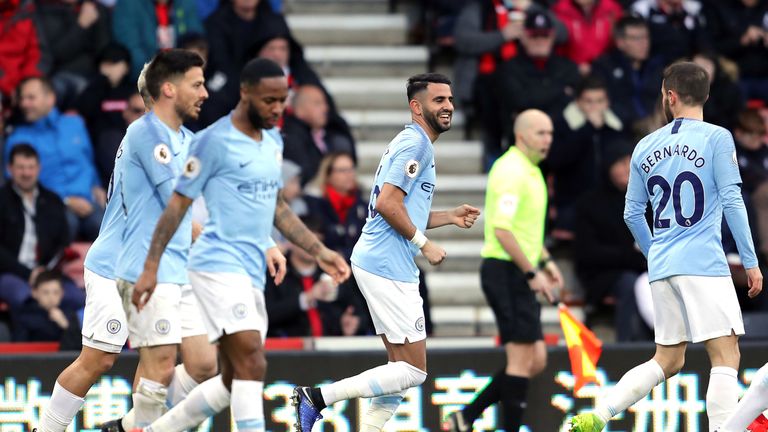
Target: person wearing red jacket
point(19, 44)
point(590, 28)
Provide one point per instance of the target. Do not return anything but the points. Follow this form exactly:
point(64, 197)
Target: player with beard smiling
point(383, 260)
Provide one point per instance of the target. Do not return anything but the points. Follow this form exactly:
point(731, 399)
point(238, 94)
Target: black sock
point(487, 397)
point(514, 395)
point(317, 398)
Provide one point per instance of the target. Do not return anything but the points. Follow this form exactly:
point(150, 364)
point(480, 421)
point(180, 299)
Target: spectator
point(232, 31)
point(740, 31)
point(33, 231)
point(584, 132)
point(486, 36)
point(20, 55)
point(42, 318)
point(307, 135)
point(632, 75)
point(103, 103)
point(334, 197)
point(725, 98)
point(66, 156)
point(537, 78)
point(677, 27)
point(145, 26)
point(308, 302)
point(607, 261)
point(75, 33)
point(589, 24)
point(752, 154)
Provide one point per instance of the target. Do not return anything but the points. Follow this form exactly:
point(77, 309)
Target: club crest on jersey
point(163, 326)
point(240, 310)
point(192, 167)
point(162, 153)
point(113, 326)
point(420, 324)
point(411, 168)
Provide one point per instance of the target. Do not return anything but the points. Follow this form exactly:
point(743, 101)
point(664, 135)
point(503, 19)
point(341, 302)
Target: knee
point(538, 366)
point(202, 370)
point(412, 376)
point(99, 365)
point(672, 367)
point(250, 364)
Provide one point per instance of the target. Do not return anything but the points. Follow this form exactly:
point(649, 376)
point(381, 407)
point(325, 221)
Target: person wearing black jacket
point(631, 73)
point(33, 230)
point(607, 261)
point(536, 78)
point(42, 318)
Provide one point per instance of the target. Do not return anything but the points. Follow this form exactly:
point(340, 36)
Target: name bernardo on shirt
point(651, 159)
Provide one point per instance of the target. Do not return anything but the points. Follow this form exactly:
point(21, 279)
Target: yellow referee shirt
point(516, 201)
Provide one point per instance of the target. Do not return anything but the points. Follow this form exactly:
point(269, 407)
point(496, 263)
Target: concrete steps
point(324, 7)
point(369, 93)
point(367, 60)
point(451, 157)
point(341, 29)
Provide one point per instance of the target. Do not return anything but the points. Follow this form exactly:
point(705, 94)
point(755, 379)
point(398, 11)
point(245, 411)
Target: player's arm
point(634, 210)
point(463, 216)
point(166, 227)
point(390, 204)
point(297, 233)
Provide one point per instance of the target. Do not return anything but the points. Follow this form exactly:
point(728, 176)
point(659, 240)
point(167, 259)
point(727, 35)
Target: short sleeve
point(155, 159)
point(724, 160)
point(636, 187)
point(202, 164)
point(408, 162)
point(274, 133)
point(506, 195)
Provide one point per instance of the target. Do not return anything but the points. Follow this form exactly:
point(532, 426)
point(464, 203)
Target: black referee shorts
point(518, 313)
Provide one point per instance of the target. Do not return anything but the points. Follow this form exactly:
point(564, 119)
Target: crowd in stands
point(68, 70)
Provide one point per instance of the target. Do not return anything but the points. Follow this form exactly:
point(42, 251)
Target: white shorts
point(396, 307)
point(105, 326)
point(191, 317)
point(695, 309)
point(159, 322)
point(229, 304)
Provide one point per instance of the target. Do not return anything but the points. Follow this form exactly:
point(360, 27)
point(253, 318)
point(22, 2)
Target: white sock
point(755, 400)
point(206, 400)
point(248, 405)
point(722, 395)
point(61, 410)
point(632, 387)
point(181, 384)
point(381, 409)
point(393, 377)
point(148, 402)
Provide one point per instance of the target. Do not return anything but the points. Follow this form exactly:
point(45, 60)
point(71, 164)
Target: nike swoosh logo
point(433, 165)
point(243, 164)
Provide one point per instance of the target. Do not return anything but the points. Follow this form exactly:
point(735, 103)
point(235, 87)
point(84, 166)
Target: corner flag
point(584, 348)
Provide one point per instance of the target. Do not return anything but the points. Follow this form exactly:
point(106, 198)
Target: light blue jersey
point(239, 179)
point(689, 172)
point(154, 158)
point(408, 163)
point(102, 255)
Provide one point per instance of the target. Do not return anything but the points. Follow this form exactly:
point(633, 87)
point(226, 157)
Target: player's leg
point(105, 331)
point(750, 406)
point(672, 333)
point(245, 352)
point(382, 408)
point(723, 389)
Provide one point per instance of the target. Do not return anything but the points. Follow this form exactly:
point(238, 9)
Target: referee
point(515, 267)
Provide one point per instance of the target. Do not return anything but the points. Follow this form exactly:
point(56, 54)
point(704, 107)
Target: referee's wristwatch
point(530, 274)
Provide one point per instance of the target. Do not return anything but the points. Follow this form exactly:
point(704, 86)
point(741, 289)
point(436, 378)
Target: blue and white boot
point(306, 412)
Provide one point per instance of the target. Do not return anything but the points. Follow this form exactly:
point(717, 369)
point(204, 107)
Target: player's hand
point(79, 206)
point(754, 281)
point(197, 229)
point(464, 216)
point(554, 274)
point(143, 289)
point(541, 284)
point(333, 264)
point(276, 264)
point(433, 253)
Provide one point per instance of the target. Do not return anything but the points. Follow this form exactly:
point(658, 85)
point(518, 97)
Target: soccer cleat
point(306, 412)
point(113, 426)
point(759, 425)
point(586, 423)
point(455, 422)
